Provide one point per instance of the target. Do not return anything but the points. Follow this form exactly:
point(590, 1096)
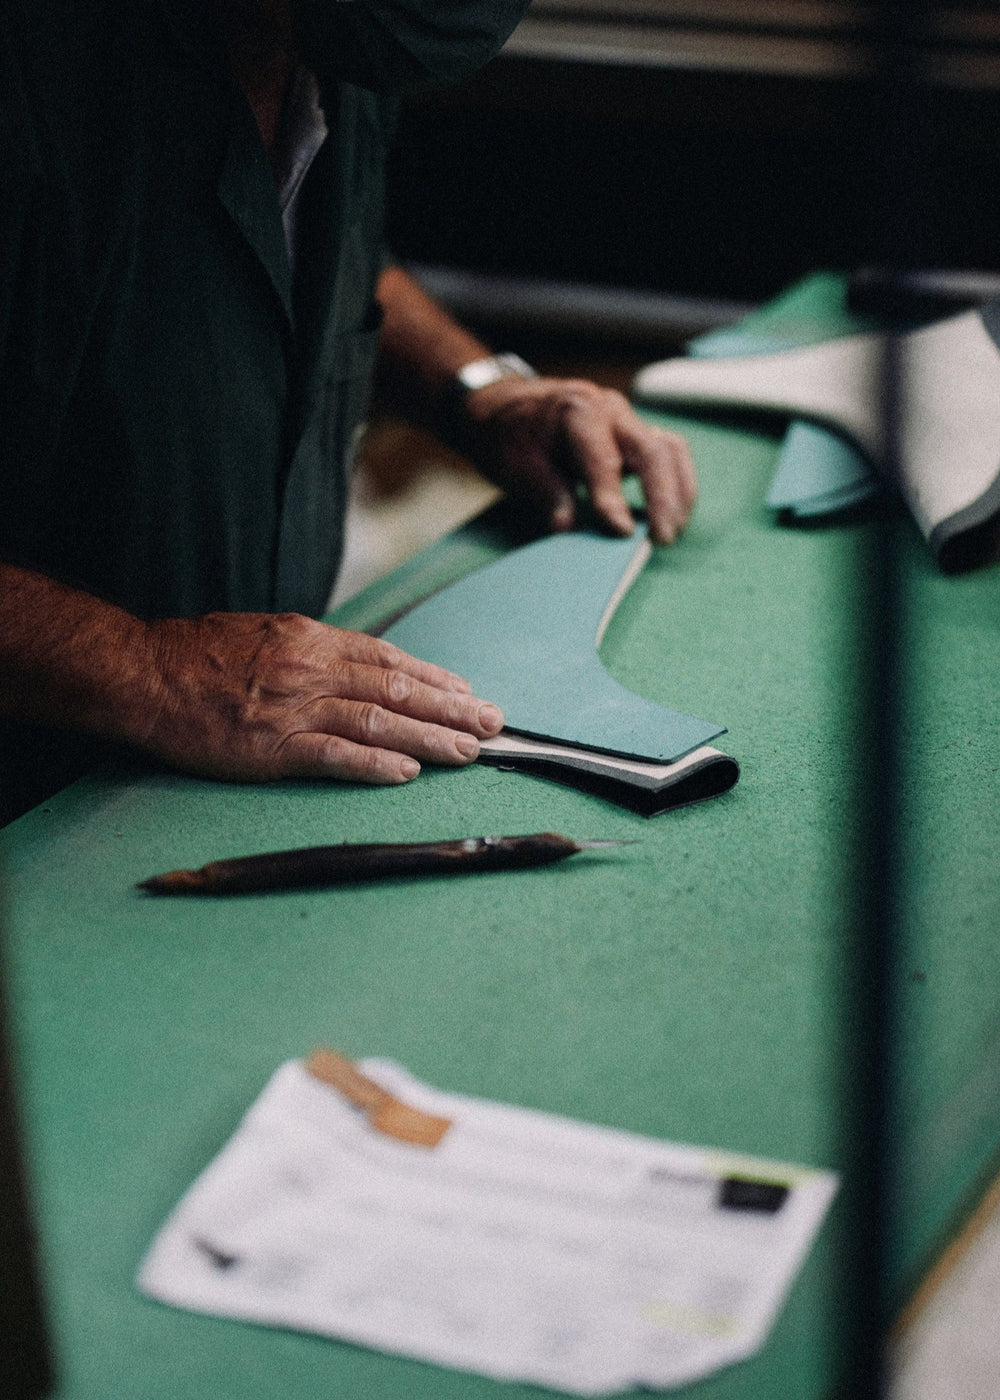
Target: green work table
point(692, 986)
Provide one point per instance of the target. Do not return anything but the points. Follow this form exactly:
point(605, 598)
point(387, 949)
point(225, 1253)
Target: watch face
point(493, 367)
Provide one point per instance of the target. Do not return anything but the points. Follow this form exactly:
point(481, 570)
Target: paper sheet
point(525, 1246)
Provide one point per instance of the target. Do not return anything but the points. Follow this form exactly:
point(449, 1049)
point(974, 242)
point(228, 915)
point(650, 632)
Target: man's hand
point(248, 696)
point(258, 696)
point(534, 437)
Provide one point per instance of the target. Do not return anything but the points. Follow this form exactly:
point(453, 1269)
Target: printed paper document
point(524, 1246)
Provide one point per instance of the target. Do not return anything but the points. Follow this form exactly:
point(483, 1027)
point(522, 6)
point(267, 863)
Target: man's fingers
point(331, 756)
point(592, 441)
point(365, 723)
point(555, 500)
point(355, 726)
point(608, 438)
point(372, 651)
point(533, 479)
point(655, 451)
point(664, 465)
point(399, 692)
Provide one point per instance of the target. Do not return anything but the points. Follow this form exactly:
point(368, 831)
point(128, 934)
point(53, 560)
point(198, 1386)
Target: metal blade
point(598, 845)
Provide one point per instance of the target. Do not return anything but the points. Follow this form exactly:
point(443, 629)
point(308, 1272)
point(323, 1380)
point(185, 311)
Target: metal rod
point(26, 1371)
point(896, 158)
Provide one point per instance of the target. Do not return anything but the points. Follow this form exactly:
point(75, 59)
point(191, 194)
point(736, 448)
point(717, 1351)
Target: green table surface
point(691, 986)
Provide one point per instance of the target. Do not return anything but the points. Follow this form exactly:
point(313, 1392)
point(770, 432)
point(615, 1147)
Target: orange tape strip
point(386, 1113)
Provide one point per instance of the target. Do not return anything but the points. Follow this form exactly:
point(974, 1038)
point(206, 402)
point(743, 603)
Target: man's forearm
point(69, 659)
point(423, 347)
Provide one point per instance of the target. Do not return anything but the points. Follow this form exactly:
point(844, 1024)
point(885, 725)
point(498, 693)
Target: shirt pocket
point(311, 531)
point(347, 388)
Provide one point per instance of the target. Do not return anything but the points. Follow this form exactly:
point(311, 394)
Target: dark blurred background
point(703, 151)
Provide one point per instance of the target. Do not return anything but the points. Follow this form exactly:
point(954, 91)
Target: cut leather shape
point(522, 631)
point(819, 472)
point(949, 449)
point(646, 788)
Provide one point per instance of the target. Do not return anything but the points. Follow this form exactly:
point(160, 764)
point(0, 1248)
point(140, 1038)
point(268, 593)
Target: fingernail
point(490, 718)
point(460, 683)
point(467, 745)
point(409, 768)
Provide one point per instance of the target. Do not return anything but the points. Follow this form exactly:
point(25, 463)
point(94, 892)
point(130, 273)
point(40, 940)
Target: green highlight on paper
point(757, 1169)
point(697, 1321)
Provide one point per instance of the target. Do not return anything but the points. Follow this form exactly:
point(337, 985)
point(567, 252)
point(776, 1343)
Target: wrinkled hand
point(534, 436)
point(255, 696)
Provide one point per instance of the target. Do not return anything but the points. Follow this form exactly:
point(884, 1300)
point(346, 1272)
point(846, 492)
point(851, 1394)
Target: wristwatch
point(478, 373)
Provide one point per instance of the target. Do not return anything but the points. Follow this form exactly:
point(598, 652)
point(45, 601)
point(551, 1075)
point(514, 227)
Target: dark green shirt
point(177, 415)
point(176, 412)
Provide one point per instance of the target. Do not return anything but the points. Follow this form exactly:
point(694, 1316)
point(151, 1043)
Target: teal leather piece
point(818, 471)
point(523, 632)
point(733, 340)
